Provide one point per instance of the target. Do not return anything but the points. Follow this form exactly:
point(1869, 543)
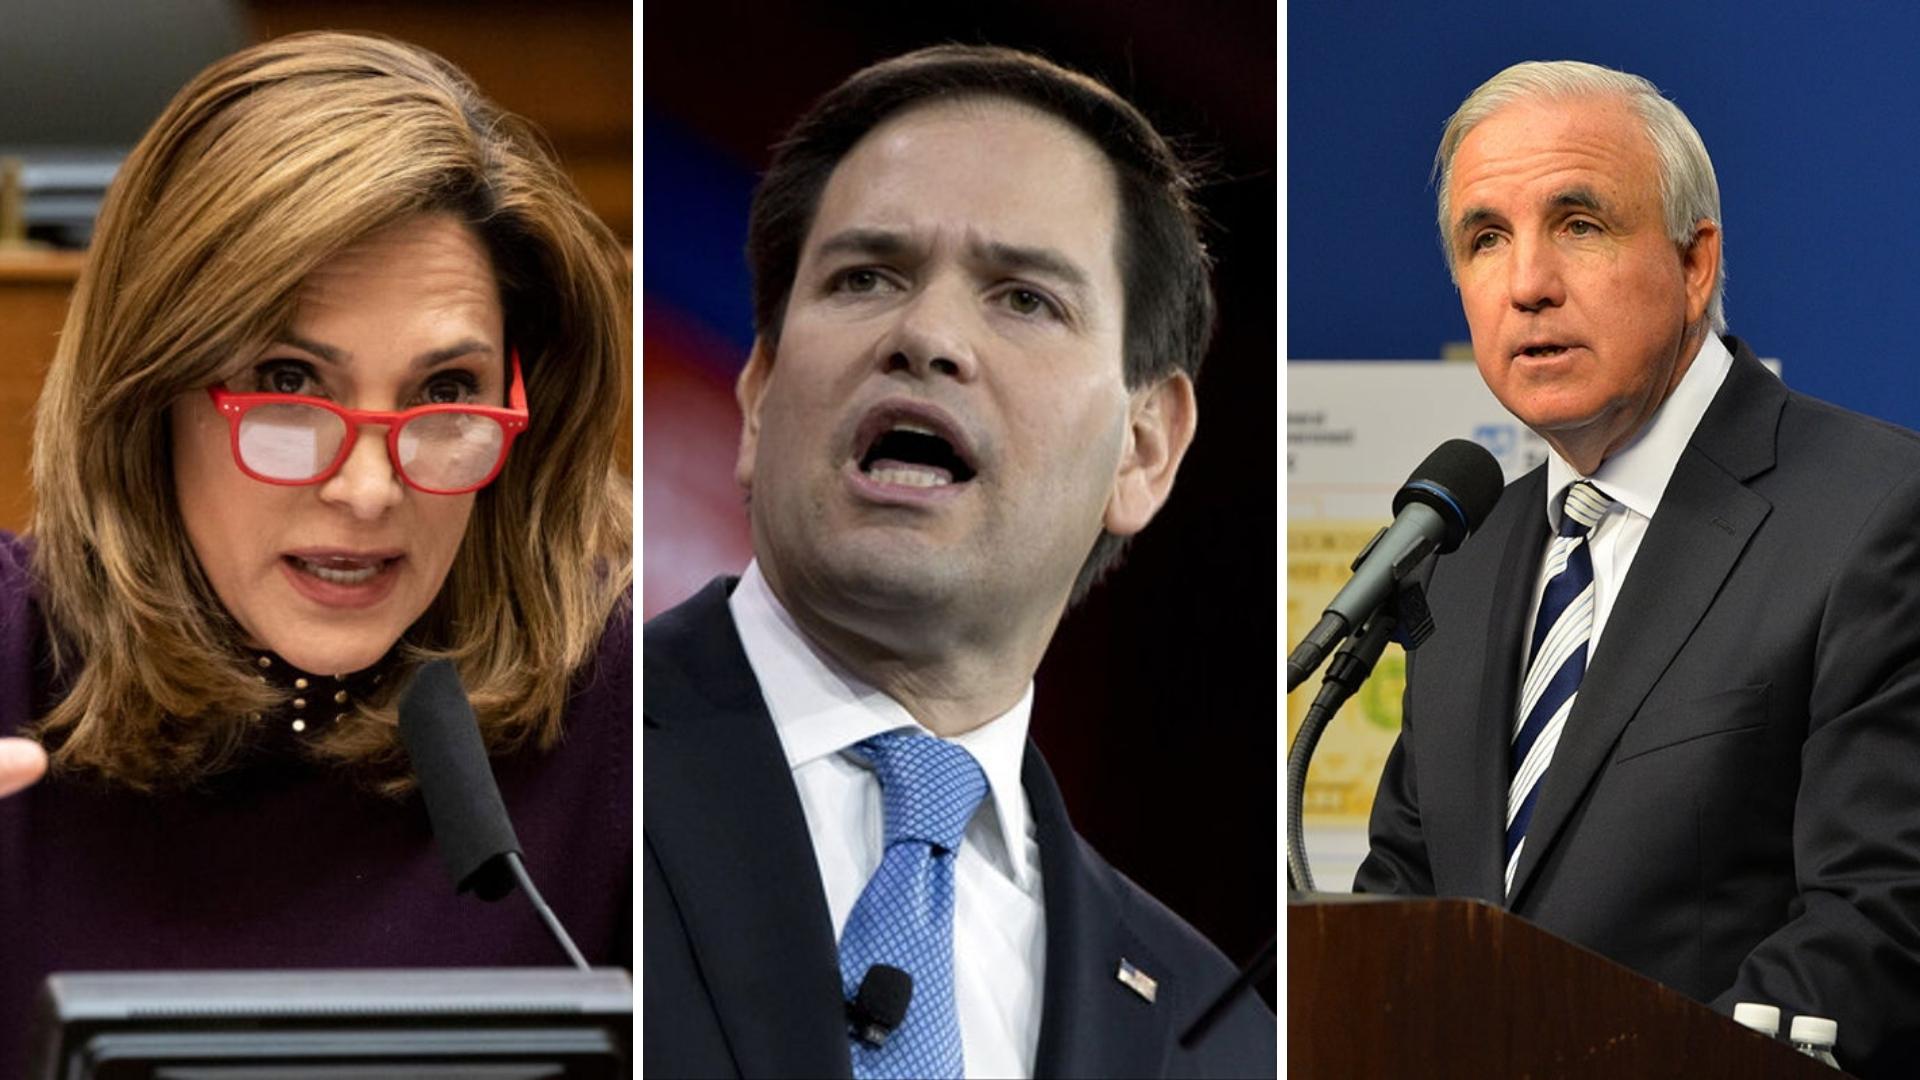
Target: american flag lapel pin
point(1136, 980)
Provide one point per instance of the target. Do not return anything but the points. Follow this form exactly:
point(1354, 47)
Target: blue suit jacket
point(741, 973)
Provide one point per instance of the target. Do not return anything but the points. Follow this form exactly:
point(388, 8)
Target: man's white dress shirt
point(999, 928)
point(1636, 478)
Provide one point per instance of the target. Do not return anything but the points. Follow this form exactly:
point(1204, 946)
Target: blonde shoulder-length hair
point(263, 167)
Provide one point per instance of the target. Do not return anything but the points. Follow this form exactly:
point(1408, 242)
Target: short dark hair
point(1164, 266)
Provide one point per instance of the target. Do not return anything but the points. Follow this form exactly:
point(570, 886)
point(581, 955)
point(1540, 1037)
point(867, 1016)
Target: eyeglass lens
point(440, 451)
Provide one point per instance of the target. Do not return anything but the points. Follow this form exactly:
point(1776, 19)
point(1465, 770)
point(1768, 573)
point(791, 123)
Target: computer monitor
point(80, 81)
point(431, 1024)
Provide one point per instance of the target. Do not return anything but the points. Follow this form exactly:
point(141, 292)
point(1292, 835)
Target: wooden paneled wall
point(566, 65)
point(33, 303)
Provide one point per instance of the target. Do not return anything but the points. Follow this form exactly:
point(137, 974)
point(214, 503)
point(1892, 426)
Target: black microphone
point(470, 824)
point(1439, 506)
point(880, 1004)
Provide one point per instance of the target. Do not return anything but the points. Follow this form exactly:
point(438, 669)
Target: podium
point(1380, 987)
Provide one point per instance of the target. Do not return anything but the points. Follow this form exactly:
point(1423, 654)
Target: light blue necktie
point(1556, 660)
point(904, 916)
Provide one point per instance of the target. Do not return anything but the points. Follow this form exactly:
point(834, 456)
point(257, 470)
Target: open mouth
point(1541, 351)
point(341, 569)
point(910, 452)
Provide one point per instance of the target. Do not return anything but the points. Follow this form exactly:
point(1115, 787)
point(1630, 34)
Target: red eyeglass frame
point(512, 421)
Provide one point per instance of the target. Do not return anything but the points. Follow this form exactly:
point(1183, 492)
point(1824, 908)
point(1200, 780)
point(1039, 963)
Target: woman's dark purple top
point(280, 864)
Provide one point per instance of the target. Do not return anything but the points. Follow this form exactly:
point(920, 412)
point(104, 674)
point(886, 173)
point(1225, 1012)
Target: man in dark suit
point(980, 303)
point(1673, 706)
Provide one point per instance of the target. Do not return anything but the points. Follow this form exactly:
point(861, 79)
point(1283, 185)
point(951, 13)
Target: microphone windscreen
point(469, 821)
point(1461, 481)
point(882, 998)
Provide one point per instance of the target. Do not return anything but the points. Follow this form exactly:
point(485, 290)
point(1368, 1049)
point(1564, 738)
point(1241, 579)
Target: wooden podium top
point(1457, 988)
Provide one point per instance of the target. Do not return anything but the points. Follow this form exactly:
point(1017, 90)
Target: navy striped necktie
point(1556, 659)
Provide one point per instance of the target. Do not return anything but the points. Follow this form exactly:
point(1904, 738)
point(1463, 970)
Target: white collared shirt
point(999, 927)
point(1635, 477)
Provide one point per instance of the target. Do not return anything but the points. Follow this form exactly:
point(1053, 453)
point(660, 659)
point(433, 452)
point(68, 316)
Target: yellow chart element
point(1353, 749)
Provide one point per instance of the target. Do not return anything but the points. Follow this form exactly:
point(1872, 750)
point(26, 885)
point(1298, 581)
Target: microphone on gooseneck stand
point(880, 1004)
point(470, 823)
point(1441, 504)
point(1448, 496)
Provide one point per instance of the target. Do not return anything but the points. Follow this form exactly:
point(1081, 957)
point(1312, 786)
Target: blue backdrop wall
point(1812, 116)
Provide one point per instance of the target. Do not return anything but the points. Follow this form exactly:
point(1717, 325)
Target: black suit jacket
point(1734, 805)
point(741, 970)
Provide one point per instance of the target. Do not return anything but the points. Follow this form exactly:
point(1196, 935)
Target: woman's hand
point(21, 763)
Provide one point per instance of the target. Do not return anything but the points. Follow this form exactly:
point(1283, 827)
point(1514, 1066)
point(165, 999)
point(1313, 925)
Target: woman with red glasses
point(340, 391)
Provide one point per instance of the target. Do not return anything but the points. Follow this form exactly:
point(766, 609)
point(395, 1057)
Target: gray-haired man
point(1674, 707)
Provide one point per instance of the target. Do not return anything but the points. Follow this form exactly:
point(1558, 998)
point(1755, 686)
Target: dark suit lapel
point(726, 826)
point(1706, 517)
point(1500, 681)
point(1092, 1024)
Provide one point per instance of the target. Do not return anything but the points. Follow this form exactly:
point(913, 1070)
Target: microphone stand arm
point(546, 913)
point(1404, 618)
point(1412, 552)
point(1348, 670)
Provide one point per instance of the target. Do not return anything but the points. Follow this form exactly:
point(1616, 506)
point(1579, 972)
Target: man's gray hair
point(1688, 189)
